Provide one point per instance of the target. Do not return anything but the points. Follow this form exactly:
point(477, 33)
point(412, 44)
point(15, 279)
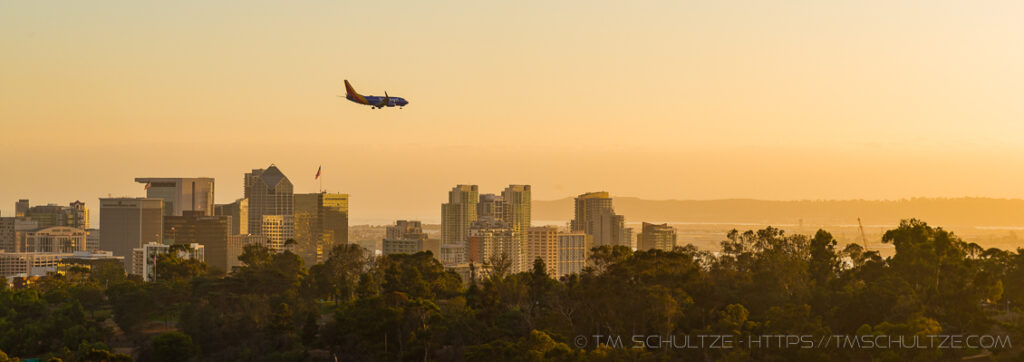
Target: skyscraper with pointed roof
point(271, 203)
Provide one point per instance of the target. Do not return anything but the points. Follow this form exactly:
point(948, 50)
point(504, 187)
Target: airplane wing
point(382, 102)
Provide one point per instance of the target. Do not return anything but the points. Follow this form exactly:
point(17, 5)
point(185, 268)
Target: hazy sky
point(654, 99)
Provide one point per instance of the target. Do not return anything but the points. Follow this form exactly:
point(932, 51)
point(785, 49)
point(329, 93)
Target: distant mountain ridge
point(966, 211)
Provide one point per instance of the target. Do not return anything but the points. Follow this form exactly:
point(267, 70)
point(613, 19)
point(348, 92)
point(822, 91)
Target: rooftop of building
point(595, 195)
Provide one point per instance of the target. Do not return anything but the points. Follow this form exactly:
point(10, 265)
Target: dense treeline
point(408, 307)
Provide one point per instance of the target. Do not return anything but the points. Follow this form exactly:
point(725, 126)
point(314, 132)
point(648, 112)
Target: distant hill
point(935, 211)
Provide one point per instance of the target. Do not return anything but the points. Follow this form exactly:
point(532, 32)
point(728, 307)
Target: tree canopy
point(355, 306)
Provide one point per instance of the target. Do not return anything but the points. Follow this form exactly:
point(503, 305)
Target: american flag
point(317, 172)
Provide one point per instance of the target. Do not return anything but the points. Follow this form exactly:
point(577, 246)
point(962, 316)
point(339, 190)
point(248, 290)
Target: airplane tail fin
point(351, 91)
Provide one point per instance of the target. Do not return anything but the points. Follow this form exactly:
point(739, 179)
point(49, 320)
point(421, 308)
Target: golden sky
point(654, 99)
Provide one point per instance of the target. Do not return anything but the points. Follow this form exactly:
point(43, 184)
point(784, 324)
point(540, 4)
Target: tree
point(173, 346)
point(132, 304)
point(255, 255)
point(338, 276)
point(605, 255)
point(172, 267)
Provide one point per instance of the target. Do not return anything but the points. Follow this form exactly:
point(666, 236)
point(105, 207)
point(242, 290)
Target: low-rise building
point(470, 272)
point(55, 239)
point(144, 259)
point(401, 246)
point(236, 245)
point(29, 264)
point(655, 236)
point(407, 237)
point(95, 262)
point(42, 263)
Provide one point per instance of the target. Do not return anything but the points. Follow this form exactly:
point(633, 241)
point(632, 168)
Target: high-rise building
point(239, 213)
point(21, 208)
point(542, 242)
point(573, 251)
point(405, 229)
point(453, 255)
point(596, 217)
point(321, 223)
point(194, 227)
point(92, 241)
point(79, 217)
point(12, 232)
point(270, 195)
point(491, 208)
point(74, 215)
point(654, 236)
point(129, 223)
point(407, 237)
point(277, 230)
point(307, 240)
point(489, 242)
point(402, 246)
point(518, 198)
point(181, 194)
point(458, 213)
point(433, 246)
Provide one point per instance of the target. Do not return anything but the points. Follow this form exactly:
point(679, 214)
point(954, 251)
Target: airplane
point(374, 102)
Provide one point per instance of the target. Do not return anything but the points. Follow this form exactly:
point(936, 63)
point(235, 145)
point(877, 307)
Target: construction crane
point(863, 237)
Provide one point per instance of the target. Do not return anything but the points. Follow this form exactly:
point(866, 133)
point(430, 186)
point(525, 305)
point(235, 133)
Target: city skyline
point(425, 211)
point(573, 180)
point(839, 100)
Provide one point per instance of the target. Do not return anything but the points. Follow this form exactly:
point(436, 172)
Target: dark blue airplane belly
point(392, 102)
